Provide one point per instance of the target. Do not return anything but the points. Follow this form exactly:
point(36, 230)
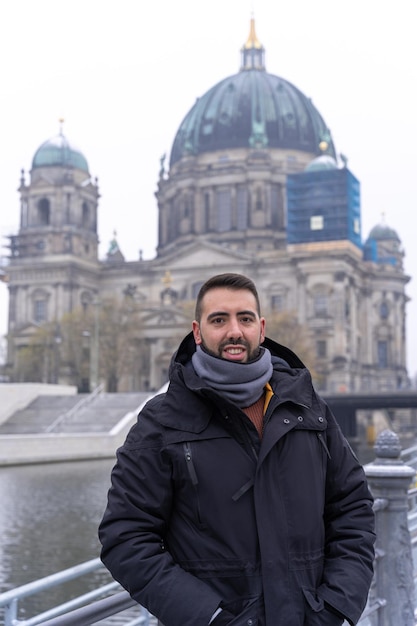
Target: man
point(235, 498)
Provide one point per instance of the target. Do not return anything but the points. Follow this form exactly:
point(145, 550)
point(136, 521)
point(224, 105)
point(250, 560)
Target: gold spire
point(252, 41)
point(252, 52)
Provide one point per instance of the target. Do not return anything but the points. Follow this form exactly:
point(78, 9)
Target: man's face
point(230, 326)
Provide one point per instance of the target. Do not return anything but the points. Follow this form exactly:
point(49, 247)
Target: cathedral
point(253, 185)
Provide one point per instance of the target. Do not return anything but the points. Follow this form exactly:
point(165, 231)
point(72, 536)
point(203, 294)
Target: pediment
point(42, 181)
point(203, 254)
point(30, 329)
point(164, 316)
point(27, 332)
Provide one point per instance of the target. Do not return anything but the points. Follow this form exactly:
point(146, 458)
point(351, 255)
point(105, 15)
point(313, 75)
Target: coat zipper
point(324, 444)
point(190, 464)
point(193, 476)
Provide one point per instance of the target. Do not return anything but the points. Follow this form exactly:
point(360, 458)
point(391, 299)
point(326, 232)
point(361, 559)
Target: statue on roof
point(114, 253)
point(162, 165)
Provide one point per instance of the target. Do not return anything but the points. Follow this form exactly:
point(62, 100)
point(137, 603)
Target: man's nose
point(234, 330)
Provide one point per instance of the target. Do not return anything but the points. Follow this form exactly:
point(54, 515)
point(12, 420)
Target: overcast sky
point(124, 74)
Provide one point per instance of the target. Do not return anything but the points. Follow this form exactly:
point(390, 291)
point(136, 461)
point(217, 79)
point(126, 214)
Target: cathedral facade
point(253, 185)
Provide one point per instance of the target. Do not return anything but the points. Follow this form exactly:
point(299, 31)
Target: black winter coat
point(202, 512)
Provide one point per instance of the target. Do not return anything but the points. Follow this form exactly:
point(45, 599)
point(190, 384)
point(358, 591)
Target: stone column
point(393, 588)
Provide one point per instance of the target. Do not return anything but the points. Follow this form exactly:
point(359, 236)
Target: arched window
point(40, 306)
point(320, 300)
point(85, 217)
point(382, 353)
point(39, 311)
point(383, 310)
point(277, 207)
point(258, 200)
point(172, 226)
point(320, 304)
point(242, 208)
point(44, 212)
point(278, 302)
point(206, 213)
point(187, 210)
point(321, 348)
point(224, 211)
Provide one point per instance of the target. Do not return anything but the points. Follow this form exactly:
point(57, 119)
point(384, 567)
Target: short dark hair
point(235, 282)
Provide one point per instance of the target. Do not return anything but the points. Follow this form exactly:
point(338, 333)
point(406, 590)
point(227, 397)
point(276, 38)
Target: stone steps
point(98, 416)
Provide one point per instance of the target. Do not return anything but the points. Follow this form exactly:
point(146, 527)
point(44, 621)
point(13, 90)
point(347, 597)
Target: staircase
point(82, 413)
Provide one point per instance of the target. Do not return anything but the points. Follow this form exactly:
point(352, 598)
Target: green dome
point(323, 162)
point(251, 109)
point(57, 151)
point(382, 232)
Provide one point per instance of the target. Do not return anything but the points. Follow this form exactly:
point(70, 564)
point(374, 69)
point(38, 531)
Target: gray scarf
point(241, 383)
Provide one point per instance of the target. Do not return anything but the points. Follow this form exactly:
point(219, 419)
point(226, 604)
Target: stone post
point(389, 480)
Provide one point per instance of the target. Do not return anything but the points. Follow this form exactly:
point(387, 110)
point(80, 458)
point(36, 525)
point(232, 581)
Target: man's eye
point(246, 320)
point(217, 320)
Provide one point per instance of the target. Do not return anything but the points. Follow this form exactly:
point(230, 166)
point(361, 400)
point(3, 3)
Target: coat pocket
point(316, 612)
point(248, 614)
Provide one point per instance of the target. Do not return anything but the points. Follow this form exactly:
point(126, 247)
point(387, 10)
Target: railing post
point(10, 615)
point(389, 480)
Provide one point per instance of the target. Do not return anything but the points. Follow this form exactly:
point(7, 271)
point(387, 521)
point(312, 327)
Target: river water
point(49, 515)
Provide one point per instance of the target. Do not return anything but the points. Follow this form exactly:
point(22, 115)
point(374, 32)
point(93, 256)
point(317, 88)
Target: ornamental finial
point(387, 445)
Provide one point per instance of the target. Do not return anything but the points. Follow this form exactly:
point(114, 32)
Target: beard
point(252, 355)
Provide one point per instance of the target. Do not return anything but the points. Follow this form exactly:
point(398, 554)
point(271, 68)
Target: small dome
point(57, 151)
point(323, 162)
point(382, 232)
point(383, 246)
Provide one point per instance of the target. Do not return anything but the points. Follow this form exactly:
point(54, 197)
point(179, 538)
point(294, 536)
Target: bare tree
point(76, 330)
point(104, 336)
point(37, 360)
point(284, 327)
point(120, 338)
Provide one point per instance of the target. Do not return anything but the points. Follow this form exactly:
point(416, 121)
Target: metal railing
point(81, 404)
point(409, 456)
point(85, 609)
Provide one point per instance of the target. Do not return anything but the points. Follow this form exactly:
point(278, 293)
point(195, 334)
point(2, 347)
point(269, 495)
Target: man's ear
point(197, 333)
point(263, 324)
